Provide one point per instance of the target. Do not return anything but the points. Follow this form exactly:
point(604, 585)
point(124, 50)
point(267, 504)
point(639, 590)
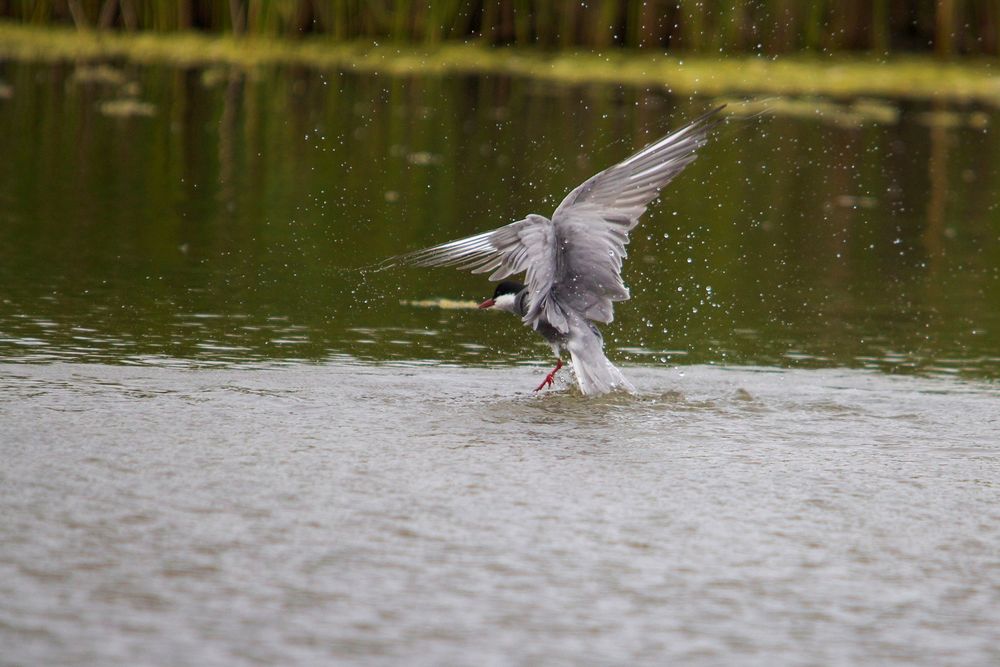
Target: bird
point(572, 261)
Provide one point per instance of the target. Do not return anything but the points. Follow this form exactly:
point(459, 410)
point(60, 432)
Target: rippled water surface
point(439, 516)
point(223, 443)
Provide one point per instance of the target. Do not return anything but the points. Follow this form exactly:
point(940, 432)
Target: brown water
point(224, 445)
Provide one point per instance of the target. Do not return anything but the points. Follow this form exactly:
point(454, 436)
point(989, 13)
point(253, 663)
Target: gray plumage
point(572, 263)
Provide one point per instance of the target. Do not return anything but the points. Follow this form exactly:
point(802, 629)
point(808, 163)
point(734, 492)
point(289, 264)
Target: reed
point(945, 27)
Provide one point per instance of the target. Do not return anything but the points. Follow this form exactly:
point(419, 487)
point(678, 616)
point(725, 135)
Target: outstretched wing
point(527, 246)
point(592, 223)
point(573, 262)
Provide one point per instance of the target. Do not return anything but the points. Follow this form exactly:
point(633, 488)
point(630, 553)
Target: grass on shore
point(920, 77)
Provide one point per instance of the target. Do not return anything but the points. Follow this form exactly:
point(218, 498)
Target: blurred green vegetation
point(685, 26)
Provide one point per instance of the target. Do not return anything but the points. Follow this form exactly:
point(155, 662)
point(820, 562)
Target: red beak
point(487, 304)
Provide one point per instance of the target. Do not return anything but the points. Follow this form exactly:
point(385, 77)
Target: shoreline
point(909, 77)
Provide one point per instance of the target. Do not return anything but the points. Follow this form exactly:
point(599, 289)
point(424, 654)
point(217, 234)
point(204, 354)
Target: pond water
point(226, 440)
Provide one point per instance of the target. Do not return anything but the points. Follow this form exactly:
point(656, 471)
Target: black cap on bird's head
point(506, 287)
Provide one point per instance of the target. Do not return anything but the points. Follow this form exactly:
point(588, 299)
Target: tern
point(572, 261)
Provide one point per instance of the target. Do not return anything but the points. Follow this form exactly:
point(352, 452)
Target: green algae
point(918, 77)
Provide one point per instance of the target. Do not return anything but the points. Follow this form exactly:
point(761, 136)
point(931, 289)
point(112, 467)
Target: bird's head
point(503, 296)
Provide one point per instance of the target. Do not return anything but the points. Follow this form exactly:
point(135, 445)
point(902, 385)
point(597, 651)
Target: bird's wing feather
point(592, 223)
point(526, 246)
point(504, 251)
point(629, 186)
point(573, 262)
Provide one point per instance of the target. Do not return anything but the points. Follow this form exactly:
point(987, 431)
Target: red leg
point(550, 378)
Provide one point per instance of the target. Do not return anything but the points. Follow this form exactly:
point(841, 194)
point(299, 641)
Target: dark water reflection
point(223, 227)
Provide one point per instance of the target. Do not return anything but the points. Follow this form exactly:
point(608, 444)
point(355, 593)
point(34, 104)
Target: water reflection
point(225, 226)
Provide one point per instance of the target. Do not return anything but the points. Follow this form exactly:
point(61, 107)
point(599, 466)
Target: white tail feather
point(595, 374)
